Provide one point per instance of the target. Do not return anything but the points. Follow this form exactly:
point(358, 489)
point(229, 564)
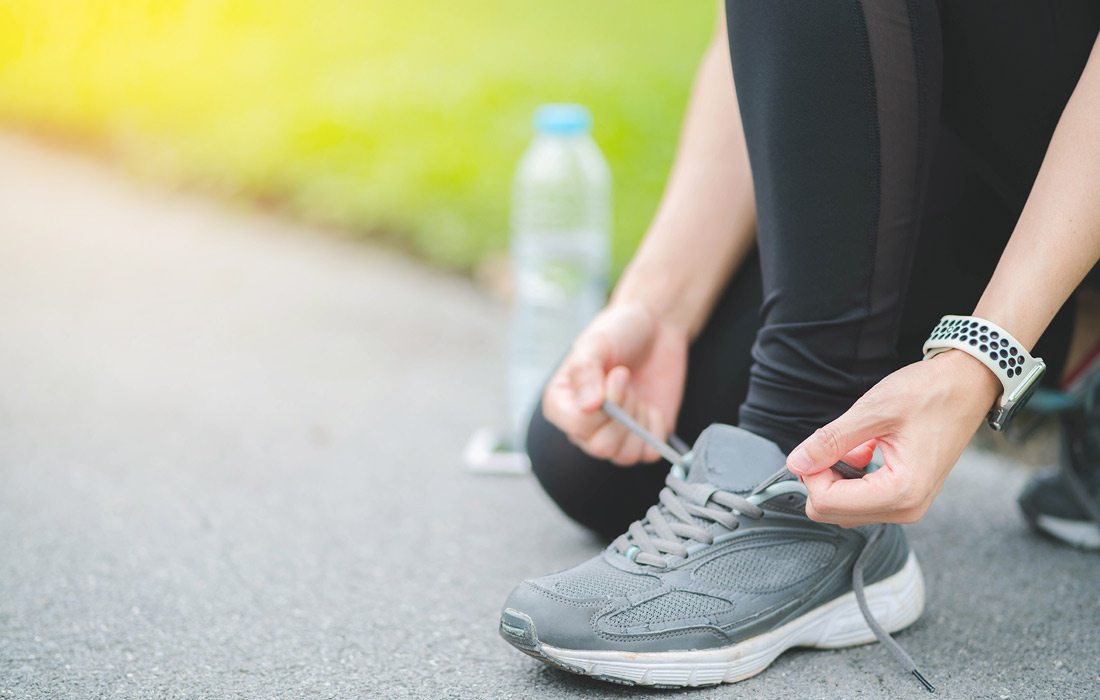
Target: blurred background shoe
point(1063, 503)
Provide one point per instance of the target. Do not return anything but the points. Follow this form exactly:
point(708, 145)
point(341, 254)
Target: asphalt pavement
point(230, 467)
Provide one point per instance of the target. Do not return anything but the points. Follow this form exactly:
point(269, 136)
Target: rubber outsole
point(1081, 534)
point(896, 603)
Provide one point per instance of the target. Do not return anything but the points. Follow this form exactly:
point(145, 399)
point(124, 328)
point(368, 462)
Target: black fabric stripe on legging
point(831, 119)
point(907, 106)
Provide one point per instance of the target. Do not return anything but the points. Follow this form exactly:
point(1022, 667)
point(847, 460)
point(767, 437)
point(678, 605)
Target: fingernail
point(799, 462)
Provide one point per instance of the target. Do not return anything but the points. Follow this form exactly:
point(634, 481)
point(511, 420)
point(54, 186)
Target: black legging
point(893, 144)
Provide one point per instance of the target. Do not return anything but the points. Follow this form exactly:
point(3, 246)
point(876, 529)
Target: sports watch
point(994, 347)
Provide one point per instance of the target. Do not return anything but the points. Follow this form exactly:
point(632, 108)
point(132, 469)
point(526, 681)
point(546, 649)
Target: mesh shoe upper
point(755, 574)
point(767, 569)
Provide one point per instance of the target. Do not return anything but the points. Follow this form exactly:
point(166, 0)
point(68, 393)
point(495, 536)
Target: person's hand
point(629, 356)
point(921, 417)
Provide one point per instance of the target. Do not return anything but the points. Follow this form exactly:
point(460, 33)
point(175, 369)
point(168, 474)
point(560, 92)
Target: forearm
point(705, 224)
point(1057, 239)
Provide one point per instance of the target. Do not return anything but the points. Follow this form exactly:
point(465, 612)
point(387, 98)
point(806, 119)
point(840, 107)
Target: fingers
point(654, 422)
point(610, 439)
point(861, 456)
point(634, 450)
point(573, 396)
point(614, 441)
point(833, 442)
point(559, 405)
point(885, 495)
point(586, 378)
point(595, 432)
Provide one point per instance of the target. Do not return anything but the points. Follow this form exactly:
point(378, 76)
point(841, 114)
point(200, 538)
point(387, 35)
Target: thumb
point(833, 442)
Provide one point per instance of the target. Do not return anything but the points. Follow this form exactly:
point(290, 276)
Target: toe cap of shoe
point(532, 611)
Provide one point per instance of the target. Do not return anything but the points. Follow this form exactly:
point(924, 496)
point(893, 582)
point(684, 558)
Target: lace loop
point(670, 525)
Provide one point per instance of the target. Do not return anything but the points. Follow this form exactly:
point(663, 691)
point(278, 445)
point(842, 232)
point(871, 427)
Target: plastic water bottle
point(561, 217)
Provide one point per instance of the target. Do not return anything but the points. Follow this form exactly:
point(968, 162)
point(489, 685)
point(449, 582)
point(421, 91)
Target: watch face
point(1000, 417)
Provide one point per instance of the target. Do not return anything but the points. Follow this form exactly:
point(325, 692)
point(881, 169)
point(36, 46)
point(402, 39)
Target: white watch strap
point(993, 346)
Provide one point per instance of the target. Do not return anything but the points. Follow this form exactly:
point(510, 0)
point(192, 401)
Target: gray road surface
point(229, 467)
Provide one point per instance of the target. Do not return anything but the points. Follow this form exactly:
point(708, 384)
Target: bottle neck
point(563, 136)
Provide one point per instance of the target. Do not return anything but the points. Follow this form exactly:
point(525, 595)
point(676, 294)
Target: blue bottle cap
point(562, 119)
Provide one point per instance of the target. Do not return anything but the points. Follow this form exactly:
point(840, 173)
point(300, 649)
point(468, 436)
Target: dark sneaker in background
point(1064, 503)
point(718, 580)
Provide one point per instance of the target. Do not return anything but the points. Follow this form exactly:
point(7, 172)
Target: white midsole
point(896, 602)
point(1078, 532)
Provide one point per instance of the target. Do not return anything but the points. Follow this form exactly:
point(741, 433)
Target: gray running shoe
point(1064, 503)
point(718, 580)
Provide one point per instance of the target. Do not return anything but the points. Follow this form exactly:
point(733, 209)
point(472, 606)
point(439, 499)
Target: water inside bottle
point(560, 282)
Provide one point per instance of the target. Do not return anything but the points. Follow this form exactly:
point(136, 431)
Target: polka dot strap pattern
point(989, 343)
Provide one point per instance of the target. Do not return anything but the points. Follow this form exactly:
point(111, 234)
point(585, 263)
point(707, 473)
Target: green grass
point(400, 119)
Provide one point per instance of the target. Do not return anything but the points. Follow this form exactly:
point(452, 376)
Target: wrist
point(970, 376)
point(1022, 327)
point(643, 312)
point(660, 292)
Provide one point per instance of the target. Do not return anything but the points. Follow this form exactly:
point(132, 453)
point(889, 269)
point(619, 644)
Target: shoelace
point(669, 526)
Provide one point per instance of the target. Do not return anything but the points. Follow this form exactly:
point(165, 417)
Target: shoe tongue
point(733, 459)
